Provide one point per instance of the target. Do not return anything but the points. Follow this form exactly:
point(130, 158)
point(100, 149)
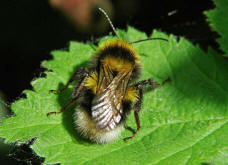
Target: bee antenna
point(109, 21)
point(148, 40)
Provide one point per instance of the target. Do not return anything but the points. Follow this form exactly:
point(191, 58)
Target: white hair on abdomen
point(89, 129)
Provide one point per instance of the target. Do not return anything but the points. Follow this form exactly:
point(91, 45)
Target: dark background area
point(31, 29)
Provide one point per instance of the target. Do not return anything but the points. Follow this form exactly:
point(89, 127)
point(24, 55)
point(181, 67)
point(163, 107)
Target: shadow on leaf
point(67, 115)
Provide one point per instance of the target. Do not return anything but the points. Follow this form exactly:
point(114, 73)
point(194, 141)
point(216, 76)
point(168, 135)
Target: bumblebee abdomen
point(88, 128)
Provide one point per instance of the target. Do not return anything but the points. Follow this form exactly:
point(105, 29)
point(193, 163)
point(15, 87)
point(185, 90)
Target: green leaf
point(221, 158)
point(184, 121)
point(218, 21)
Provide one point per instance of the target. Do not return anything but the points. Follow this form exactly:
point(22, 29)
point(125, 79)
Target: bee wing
point(107, 106)
point(105, 78)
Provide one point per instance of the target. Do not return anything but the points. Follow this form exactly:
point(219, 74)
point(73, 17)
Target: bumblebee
point(107, 90)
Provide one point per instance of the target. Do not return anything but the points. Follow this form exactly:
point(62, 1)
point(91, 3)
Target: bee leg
point(138, 126)
point(78, 74)
point(162, 83)
point(78, 90)
point(137, 105)
point(150, 82)
point(137, 108)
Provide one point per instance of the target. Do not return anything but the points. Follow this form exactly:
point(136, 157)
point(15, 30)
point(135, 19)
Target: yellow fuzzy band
point(91, 82)
point(131, 95)
point(117, 64)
